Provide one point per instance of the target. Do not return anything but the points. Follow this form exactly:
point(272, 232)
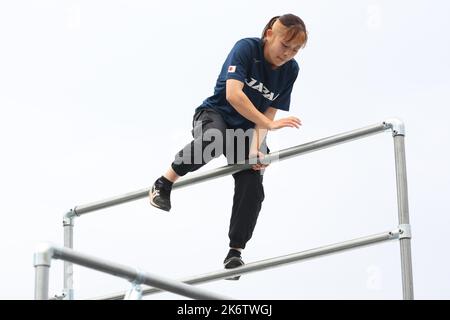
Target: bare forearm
point(245, 107)
point(260, 133)
point(258, 137)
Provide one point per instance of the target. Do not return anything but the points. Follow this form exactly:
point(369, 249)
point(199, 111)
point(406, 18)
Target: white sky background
point(96, 97)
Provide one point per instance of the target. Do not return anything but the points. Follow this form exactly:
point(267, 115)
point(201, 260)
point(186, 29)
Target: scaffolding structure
point(46, 252)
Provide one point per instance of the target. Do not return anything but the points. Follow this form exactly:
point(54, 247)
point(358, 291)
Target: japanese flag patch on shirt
point(231, 69)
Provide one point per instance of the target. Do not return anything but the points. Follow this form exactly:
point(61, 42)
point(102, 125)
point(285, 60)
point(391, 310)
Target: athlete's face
point(277, 50)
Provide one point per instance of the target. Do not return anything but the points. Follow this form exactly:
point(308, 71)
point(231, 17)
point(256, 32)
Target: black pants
point(248, 184)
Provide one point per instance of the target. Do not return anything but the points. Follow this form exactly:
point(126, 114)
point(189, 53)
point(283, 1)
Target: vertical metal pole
point(403, 214)
point(68, 224)
point(42, 260)
point(41, 282)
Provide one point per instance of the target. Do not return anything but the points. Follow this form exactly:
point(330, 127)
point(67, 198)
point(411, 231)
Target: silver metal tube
point(395, 125)
point(230, 169)
point(132, 274)
point(42, 261)
point(328, 142)
point(273, 262)
point(41, 281)
point(68, 293)
point(403, 216)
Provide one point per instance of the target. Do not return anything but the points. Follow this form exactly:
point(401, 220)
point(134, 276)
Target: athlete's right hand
point(291, 121)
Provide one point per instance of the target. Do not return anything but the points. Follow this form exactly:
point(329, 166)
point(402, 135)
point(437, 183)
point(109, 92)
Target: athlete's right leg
point(209, 142)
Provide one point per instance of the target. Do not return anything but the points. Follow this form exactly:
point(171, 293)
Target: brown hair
point(294, 24)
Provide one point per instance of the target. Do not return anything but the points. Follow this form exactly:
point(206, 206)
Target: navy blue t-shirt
point(264, 86)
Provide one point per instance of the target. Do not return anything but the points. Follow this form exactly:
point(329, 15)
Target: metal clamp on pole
point(396, 125)
point(404, 231)
point(135, 293)
point(394, 234)
point(68, 218)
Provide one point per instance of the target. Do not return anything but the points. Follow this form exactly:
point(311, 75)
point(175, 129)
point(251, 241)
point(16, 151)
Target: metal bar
point(328, 142)
point(42, 261)
point(41, 282)
point(403, 216)
point(132, 274)
point(230, 169)
point(273, 262)
point(68, 293)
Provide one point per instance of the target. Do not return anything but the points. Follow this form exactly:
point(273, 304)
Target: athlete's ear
point(269, 33)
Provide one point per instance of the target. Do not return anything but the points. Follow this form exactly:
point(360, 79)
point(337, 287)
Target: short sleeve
point(238, 61)
point(283, 101)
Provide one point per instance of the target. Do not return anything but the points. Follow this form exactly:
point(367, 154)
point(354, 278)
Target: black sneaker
point(233, 260)
point(160, 194)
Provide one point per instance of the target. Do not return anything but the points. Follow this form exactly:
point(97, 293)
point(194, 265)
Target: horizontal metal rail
point(46, 252)
point(396, 126)
point(230, 169)
point(273, 262)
